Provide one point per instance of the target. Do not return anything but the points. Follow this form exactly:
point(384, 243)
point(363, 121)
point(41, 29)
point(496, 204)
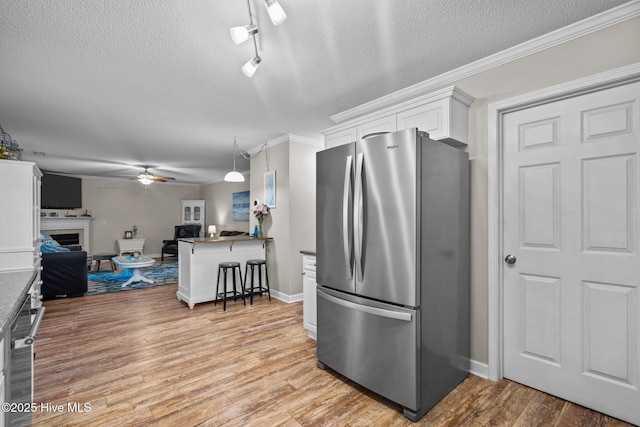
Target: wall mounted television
point(60, 192)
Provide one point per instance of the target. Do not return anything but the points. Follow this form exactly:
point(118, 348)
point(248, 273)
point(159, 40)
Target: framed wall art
point(270, 189)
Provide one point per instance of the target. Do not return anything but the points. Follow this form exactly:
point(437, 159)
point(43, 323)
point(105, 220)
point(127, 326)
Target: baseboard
point(286, 298)
point(479, 369)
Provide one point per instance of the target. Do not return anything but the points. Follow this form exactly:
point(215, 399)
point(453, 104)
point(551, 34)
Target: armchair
point(170, 247)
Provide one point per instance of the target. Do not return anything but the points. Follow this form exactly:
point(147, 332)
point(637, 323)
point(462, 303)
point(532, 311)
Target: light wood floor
point(143, 358)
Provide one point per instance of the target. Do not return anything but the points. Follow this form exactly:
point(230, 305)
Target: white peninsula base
point(198, 260)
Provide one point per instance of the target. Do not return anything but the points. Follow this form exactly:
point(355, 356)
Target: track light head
point(242, 33)
point(276, 12)
point(251, 66)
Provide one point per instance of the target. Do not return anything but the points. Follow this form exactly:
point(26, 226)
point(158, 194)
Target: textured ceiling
point(103, 87)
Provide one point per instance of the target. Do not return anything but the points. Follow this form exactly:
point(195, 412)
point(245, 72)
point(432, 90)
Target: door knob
point(510, 259)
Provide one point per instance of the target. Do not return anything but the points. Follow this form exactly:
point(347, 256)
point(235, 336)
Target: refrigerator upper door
point(334, 218)
point(385, 224)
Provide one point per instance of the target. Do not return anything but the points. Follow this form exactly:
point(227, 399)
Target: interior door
point(571, 240)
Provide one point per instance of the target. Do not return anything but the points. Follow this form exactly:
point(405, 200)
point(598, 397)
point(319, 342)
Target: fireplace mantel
point(69, 223)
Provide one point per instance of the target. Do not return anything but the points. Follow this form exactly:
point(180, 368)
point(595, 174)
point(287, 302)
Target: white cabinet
point(443, 114)
point(309, 307)
point(193, 213)
point(340, 138)
point(20, 215)
point(385, 124)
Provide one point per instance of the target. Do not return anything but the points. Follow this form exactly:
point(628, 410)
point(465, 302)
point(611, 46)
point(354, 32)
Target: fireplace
point(63, 226)
point(66, 238)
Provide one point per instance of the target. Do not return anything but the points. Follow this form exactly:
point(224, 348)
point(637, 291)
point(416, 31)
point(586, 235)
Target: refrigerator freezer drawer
point(373, 344)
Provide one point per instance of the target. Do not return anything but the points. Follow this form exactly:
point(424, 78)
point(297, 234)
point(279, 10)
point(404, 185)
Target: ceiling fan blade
point(166, 178)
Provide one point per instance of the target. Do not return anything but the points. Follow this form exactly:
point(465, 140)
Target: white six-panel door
point(571, 224)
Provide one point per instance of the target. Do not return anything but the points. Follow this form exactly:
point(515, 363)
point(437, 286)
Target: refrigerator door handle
point(346, 240)
point(381, 312)
point(358, 208)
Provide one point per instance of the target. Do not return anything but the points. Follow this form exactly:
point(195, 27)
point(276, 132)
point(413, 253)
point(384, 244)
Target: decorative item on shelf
point(85, 213)
point(212, 231)
point(260, 211)
point(128, 234)
point(9, 148)
point(135, 231)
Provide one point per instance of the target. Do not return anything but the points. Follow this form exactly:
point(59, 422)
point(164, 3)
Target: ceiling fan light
point(251, 66)
point(242, 34)
point(276, 12)
point(145, 179)
point(234, 176)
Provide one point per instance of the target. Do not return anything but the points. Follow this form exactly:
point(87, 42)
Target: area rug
point(105, 281)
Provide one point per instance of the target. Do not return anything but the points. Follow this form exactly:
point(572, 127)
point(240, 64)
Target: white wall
point(116, 205)
point(603, 50)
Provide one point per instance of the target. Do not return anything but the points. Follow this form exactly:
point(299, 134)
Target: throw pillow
point(49, 245)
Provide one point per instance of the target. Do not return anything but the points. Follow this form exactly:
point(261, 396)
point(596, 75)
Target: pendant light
point(242, 33)
point(234, 176)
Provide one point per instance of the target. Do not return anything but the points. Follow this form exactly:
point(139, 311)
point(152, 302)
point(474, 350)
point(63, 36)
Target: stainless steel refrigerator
point(392, 236)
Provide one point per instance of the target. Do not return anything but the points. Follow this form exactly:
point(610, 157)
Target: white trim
point(496, 111)
point(444, 93)
point(478, 369)
point(286, 298)
point(595, 23)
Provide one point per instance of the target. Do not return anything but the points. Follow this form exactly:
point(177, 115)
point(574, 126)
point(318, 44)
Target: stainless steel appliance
point(24, 328)
point(392, 242)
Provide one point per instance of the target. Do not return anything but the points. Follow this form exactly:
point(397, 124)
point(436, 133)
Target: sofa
point(64, 273)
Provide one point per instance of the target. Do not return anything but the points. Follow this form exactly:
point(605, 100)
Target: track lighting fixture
point(243, 33)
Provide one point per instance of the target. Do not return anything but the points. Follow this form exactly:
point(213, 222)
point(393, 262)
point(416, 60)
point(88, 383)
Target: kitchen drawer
point(309, 263)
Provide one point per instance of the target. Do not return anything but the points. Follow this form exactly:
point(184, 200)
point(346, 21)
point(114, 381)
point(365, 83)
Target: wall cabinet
point(443, 114)
point(193, 213)
point(20, 218)
point(309, 307)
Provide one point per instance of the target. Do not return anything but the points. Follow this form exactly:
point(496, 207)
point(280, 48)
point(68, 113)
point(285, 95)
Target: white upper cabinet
point(442, 114)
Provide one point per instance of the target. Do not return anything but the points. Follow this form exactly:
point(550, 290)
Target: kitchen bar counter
point(201, 240)
point(198, 260)
point(13, 287)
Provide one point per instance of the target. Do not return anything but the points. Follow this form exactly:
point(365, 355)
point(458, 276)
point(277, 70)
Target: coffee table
point(134, 263)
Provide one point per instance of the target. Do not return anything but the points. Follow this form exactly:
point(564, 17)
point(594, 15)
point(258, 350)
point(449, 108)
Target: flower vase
point(260, 229)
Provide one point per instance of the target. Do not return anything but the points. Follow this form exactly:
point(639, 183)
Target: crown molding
point(595, 23)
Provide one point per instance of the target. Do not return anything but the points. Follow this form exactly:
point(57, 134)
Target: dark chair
point(170, 247)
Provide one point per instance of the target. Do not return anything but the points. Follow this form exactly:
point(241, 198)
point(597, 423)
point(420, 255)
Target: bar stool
point(234, 266)
point(253, 263)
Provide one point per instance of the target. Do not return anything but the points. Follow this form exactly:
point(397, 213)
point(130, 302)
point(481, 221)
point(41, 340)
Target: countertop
point(14, 286)
point(308, 252)
point(196, 240)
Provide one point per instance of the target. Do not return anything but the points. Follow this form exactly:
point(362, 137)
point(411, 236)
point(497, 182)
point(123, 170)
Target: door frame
point(495, 165)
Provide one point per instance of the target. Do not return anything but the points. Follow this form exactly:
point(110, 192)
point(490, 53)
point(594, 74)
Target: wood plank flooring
point(142, 358)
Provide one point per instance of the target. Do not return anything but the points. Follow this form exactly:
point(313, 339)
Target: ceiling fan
point(147, 177)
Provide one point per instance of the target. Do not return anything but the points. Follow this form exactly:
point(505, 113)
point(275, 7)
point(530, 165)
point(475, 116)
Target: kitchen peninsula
point(198, 260)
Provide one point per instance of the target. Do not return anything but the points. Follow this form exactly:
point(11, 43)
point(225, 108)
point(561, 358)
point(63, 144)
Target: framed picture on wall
point(270, 189)
point(241, 206)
